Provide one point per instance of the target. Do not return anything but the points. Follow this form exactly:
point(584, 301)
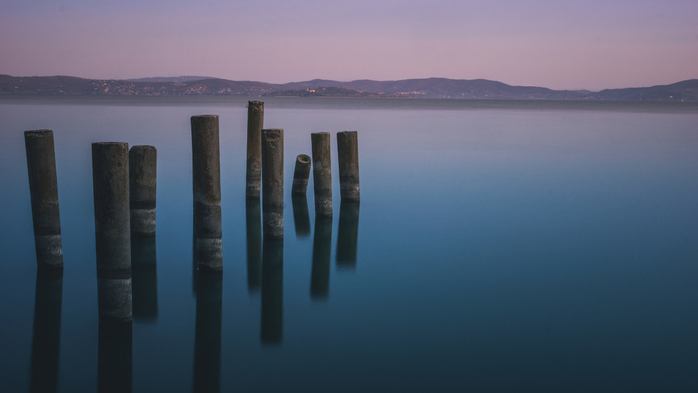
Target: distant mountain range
point(409, 88)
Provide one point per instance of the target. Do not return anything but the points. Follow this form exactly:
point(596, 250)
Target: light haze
point(557, 44)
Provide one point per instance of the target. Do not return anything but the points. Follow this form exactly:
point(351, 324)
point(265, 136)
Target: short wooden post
point(301, 174)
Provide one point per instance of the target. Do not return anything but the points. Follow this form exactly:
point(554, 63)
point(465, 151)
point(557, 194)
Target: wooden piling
point(43, 186)
point(322, 173)
point(273, 182)
point(208, 244)
point(112, 230)
point(300, 175)
point(255, 123)
point(348, 160)
point(142, 162)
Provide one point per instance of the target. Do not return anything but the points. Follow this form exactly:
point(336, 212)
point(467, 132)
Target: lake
point(499, 246)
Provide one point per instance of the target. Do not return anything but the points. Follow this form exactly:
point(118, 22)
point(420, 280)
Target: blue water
point(502, 246)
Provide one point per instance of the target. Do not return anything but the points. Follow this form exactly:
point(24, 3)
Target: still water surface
point(499, 246)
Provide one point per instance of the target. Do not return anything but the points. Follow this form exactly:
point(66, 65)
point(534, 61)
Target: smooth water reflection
point(272, 324)
point(145, 278)
point(322, 250)
point(301, 217)
point(47, 330)
point(347, 234)
point(499, 248)
point(115, 357)
point(253, 222)
point(207, 344)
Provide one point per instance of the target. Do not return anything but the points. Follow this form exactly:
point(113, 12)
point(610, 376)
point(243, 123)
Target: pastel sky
point(561, 44)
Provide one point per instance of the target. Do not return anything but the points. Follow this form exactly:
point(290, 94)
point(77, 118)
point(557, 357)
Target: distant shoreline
point(429, 88)
point(355, 103)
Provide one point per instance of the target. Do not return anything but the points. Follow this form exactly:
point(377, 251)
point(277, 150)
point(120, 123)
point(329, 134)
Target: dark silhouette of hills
point(682, 91)
point(68, 85)
point(446, 88)
point(329, 92)
point(407, 88)
point(178, 79)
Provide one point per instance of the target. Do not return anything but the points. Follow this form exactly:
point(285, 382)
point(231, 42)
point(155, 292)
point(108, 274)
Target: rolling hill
point(407, 88)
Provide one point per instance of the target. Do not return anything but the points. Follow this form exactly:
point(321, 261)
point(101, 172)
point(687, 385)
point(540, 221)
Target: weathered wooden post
point(301, 217)
point(207, 339)
point(142, 162)
point(322, 250)
point(273, 182)
point(253, 218)
point(347, 234)
point(255, 123)
point(300, 175)
point(43, 186)
point(348, 159)
point(272, 290)
point(322, 173)
point(208, 236)
point(46, 336)
point(112, 230)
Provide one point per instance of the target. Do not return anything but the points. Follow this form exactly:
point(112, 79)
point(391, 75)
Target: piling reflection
point(301, 218)
point(322, 251)
point(115, 357)
point(272, 290)
point(194, 264)
point(207, 254)
point(253, 217)
point(207, 342)
point(47, 330)
point(347, 234)
point(145, 278)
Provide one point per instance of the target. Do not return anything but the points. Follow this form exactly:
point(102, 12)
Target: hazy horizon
point(564, 45)
point(199, 77)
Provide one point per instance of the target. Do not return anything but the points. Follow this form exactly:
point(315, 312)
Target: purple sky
point(558, 44)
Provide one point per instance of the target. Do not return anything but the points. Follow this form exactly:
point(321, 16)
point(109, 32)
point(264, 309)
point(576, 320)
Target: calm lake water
point(499, 246)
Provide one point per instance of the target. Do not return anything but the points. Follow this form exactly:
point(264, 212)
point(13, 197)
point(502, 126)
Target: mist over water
point(498, 246)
